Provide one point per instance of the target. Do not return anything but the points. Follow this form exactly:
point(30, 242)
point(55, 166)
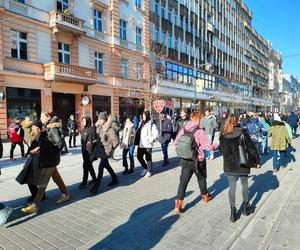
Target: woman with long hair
point(232, 136)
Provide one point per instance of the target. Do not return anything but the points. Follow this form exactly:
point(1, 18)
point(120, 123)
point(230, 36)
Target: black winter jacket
point(88, 137)
point(166, 131)
point(72, 127)
point(229, 146)
point(51, 144)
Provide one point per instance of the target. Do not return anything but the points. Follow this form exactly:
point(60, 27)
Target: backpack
point(187, 148)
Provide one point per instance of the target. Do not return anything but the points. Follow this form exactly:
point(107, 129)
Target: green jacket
point(289, 129)
point(279, 136)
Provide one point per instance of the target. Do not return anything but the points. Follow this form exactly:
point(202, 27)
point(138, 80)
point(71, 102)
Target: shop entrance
point(63, 107)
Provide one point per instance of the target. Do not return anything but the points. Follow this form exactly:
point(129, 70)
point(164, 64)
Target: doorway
point(63, 107)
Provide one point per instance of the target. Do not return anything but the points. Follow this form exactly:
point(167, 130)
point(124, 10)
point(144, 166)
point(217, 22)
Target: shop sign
point(2, 95)
point(159, 105)
point(85, 100)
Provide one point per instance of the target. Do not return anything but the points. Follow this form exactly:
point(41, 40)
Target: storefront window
point(101, 104)
point(23, 102)
point(130, 106)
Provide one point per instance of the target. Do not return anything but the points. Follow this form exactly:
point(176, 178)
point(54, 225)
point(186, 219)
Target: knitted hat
point(277, 118)
point(102, 116)
point(38, 124)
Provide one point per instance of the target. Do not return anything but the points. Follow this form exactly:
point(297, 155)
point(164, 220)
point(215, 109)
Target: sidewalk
point(138, 214)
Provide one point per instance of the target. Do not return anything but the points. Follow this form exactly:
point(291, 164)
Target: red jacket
point(13, 136)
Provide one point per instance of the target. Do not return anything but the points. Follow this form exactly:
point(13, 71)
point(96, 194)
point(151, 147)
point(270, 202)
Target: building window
point(181, 22)
point(98, 20)
point(163, 9)
point(139, 71)
point(19, 49)
point(62, 5)
point(170, 15)
point(123, 29)
point(175, 43)
point(99, 62)
point(163, 37)
point(138, 4)
point(156, 7)
point(175, 17)
point(124, 68)
point(64, 54)
point(186, 24)
point(21, 1)
point(169, 41)
point(138, 36)
point(156, 35)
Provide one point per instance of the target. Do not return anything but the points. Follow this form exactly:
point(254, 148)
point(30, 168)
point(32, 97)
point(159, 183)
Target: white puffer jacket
point(149, 134)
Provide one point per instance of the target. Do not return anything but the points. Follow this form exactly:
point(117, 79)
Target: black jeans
point(87, 167)
point(188, 168)
point(232, 179)
point(140, 155)
point(13, 146)
point(65, 148)
point(104, 163)
point(72, 136)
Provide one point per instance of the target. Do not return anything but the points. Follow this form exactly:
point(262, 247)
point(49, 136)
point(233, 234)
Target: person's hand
point(35, 151)
point(258, 166)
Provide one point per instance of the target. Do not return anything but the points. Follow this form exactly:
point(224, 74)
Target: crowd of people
point(242, 140)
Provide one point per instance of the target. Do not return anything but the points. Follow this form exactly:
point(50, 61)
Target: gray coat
point(209, 124)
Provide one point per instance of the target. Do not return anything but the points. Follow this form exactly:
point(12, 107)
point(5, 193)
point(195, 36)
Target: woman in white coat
point(146, 134)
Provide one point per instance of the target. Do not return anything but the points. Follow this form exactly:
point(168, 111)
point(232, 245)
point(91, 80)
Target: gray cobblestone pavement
point(138, 213)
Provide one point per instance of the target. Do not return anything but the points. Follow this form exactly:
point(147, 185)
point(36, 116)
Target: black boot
point(83, 185)
point(233, 215)
point(113, 182)
point(247, 209)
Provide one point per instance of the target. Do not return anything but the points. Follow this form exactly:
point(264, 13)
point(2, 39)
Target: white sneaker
point(148, 175)
point(144, 172)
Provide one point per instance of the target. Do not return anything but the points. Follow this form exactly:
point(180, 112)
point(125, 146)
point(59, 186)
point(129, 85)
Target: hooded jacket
point(209, 124)
point(26, 125)
point(107, 140)
point(229, 146)
point(88, 136)
point(201, 139)
point(279, 136)
point(128, 135)
point(51, 144)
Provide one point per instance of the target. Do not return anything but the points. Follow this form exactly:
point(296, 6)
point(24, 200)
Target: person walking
point(26, 126)
point(166, 130)
point(233, 136)
point(293, 120)
point(16, 137)
point(182, 120)
point(209, 124)
point(192, 139)
point(279, 140)
point(64, 149)
point(256, 131)
point(88, 147)
point(72, 127)
point(264, 143)
point(107, 141)
point(127, 144)
point(49, 158)
point(146, 134)
point(221, 121)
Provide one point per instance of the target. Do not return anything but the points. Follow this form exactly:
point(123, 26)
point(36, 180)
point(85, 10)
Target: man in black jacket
point(166, 130)
point(72, 127)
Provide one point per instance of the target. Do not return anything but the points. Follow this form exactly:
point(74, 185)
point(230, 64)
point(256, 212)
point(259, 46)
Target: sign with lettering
point(159, 105)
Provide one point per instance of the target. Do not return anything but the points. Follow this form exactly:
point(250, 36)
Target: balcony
point(59, 21)
point(70, 73)
point(210, 27)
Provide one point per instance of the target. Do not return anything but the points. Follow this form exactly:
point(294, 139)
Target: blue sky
point(279, 22)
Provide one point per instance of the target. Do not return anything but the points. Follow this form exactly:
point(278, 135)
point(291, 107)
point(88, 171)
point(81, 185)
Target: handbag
point(22, 177)
point(243, 154)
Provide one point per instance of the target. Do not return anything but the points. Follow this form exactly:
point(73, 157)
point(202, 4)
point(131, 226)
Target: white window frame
point(139, 71)
point(124, 68)
point(97, 19)
point(99, 62)
point(139, 37)
point(64, 52)
point(123, 31)
point(19, 40)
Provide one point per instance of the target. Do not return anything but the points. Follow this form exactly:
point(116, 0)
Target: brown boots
point(178, 206)
point(206, 198)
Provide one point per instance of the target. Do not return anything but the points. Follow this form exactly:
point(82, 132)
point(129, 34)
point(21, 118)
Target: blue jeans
point(164, 148)
point(258, 147)
point(294, 129)
point(129, 150)
point(278, 162)
point(264, 145)
point(209, 154)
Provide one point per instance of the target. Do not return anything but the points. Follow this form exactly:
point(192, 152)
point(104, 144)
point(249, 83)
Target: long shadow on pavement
point(79, 194)
point(148, 224)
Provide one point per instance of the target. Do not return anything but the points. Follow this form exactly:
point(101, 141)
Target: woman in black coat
point(88, 143)
point(230, 140)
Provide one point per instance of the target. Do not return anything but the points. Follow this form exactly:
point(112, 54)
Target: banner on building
point(176, 103)
point(199, 85)
point(159, 105)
